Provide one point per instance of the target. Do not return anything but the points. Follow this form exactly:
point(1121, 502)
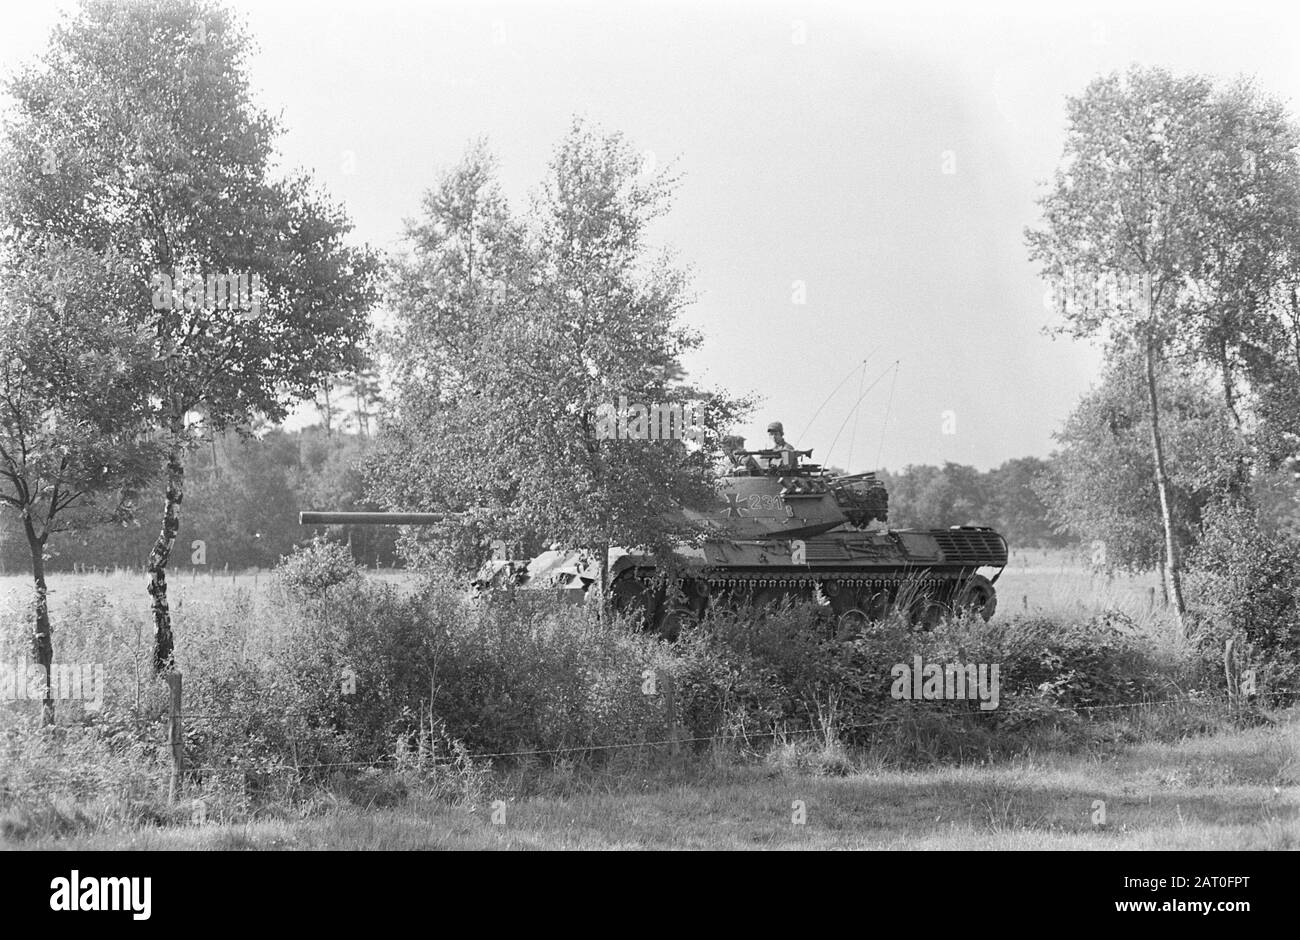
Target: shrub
point(291, 693)
point(1245, 584)
point(774, 674)
point(312, 570)
point(498, 677)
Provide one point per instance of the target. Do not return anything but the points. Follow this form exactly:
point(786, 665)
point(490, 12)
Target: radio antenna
point(885, 424)
point(854, 436)
point(854, 409)
point(861, 365)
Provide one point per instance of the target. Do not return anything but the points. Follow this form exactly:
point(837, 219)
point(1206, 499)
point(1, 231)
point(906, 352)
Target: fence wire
point(418, 760)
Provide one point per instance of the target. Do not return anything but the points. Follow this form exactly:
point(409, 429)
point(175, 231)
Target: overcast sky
point(813, 139)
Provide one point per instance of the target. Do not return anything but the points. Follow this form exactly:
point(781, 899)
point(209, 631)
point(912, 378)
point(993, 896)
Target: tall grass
point(305, 692)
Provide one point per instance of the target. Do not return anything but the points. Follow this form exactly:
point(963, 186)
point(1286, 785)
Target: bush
point(776, 674)
point(311, 571)
point(291, 693)
point(373, 665)
point(1244, 584)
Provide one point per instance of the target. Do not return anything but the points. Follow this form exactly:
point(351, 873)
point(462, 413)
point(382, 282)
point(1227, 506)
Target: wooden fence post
point(1232, 674)
point(176, 735)
point(670, 703)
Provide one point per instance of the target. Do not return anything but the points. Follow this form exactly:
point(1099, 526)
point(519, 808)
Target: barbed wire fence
point(179, 773)
point(181, 778)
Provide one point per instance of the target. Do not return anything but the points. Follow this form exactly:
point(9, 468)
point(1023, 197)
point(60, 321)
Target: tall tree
point(1240, 294)
point(525, 333)
point(1271, 366)
point(326, 401)
point(367, 397)
point(1100, 485)
point(72, 445)
point(136, 134)
point(466, 276)
point(1156, 229)
point(611, 311)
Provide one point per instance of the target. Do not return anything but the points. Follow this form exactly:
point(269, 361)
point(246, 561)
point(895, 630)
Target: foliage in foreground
point(1246, 585)
point(341, 688)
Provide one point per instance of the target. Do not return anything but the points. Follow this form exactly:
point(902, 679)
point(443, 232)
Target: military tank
point(781, 530)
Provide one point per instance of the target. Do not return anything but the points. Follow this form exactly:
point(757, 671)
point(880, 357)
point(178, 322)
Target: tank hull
point(856, 575)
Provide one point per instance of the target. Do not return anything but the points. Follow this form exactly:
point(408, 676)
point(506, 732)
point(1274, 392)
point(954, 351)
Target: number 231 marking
point(763, 501)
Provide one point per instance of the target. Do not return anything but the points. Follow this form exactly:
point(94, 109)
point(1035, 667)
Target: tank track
point(923, 594)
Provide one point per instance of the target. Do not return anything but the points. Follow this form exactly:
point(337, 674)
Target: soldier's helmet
point(775, 428)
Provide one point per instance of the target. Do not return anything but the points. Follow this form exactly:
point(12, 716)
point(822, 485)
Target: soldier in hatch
point(788, 459)
point(733, 447)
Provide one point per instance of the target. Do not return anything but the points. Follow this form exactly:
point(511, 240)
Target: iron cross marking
point(733, 506)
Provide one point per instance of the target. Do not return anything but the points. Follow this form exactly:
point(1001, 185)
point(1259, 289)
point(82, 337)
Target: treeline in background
point(242, 501)
point(924, 496)
point(244, 494)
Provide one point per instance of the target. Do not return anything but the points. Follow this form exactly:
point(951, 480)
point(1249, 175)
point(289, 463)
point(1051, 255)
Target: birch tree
point(136, 134)
point(1163, 231)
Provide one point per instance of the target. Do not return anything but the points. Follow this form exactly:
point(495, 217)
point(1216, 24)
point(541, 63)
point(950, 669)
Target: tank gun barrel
point(377, 518)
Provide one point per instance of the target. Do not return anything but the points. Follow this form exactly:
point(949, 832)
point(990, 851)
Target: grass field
point(1057, 582)
point(1035, 581)
point(1237, 789)
point(186, 586)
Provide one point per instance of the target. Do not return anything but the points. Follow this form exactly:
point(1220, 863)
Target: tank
point(780, 530)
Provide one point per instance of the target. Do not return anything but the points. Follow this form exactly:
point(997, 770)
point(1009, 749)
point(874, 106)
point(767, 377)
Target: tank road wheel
point(840, 605)
point(627, 592)
point(765, 597)
point(850, 624)
point(685, 612)
point(839, 597)
point(977, 594)
point(929, 612)
point(909, 601)
point(675, 620)
point(876, 604)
